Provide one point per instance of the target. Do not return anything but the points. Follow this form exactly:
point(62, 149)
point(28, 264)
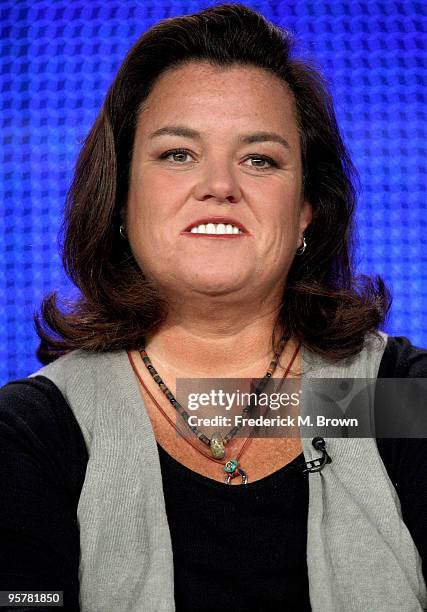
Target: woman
point(208, 230)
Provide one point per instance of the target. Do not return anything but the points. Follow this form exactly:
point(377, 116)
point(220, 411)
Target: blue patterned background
point(57, 61)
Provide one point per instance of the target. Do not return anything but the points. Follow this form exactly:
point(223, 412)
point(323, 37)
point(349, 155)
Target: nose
point(218, 183)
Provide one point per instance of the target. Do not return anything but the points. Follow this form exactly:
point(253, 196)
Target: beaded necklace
point(217, 442)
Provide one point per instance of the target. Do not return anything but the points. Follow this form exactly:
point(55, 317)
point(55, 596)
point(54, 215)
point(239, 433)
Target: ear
point(306, 216)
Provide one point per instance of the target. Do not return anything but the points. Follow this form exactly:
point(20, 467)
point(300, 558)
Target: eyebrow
point(178, 130)
point(264, 137)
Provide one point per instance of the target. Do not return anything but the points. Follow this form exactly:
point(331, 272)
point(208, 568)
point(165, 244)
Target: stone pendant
point(217, 446)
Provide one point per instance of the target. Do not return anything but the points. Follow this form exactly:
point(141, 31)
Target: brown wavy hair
point(325, 305)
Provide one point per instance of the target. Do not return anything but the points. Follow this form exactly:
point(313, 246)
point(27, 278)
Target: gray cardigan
point(360, 555)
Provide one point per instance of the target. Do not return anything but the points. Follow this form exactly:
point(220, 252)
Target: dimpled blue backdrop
point(57, 61)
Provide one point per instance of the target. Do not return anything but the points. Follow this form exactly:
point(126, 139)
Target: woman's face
point(217, 149)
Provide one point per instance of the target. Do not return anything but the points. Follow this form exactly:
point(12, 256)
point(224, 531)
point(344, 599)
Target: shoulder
point(81, 367)
point(37, 422)
point(402, 359)
point(74, 366)
point(36, 403)
point(33, 399)
point(86, 379)
point(400, 392)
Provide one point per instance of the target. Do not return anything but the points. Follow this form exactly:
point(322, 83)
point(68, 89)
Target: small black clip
point(316, 465)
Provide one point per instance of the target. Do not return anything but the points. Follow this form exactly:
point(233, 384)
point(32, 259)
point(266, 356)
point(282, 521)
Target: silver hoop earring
point(300, 250)
point(122, 233)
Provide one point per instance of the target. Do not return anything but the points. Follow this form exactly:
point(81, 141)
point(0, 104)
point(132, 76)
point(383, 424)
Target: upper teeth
point(215, 228)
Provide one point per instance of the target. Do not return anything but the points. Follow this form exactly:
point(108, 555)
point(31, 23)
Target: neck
point(209, 344)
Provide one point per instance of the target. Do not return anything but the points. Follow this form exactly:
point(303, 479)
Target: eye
point(178, 155)
point(262, 162)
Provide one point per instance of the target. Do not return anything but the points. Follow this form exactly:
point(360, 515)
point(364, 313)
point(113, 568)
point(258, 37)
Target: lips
point(216, 220)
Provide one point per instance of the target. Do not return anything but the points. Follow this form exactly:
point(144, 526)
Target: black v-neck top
point(235, 547)
point(238, 548)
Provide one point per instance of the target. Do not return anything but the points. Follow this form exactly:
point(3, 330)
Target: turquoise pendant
point(232, 469)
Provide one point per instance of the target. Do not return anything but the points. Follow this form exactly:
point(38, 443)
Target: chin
point(216, 286)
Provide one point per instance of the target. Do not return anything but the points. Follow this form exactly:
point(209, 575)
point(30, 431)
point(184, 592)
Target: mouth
point(216, 227)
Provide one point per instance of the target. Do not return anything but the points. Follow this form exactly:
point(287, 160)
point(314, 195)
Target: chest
point(260, 457)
